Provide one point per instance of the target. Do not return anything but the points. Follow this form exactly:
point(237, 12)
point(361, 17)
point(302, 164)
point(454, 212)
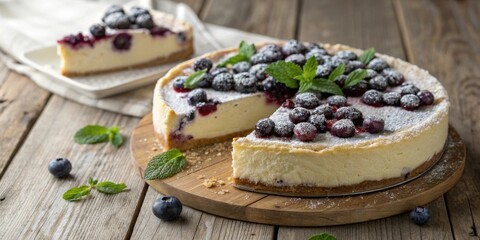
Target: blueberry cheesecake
point(326, 119)
point(125, 39)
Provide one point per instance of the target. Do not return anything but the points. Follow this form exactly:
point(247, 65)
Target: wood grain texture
point(444, 38)
point(21, 102)
point(32, 205)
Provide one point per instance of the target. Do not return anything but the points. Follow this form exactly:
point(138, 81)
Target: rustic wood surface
point(438, 35)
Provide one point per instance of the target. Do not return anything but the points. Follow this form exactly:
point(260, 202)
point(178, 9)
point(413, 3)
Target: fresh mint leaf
point(310, 69)
point(285, 72)
point(355, 77)
point(110, 187)
point(367, 55)
point(91, 134)
point(192, 80)
point(247, 49)
point(337, 72)
point(76, 193)
point(322, 236)
point(92, 182)
point(117, 140)
point(305, 86)
point(165, 165)
point(234, 59)
point(323, 85)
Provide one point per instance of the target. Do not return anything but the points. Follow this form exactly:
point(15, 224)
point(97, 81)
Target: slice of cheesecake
point(141, 38)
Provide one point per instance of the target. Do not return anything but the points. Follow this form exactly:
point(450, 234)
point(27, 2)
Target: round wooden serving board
point(213, 164)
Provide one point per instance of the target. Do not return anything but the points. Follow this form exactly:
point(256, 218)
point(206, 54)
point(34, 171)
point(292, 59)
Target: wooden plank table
point(36, 126)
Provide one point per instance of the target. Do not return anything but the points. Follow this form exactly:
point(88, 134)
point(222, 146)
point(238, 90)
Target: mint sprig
point(164, 165)
point(107, 187)
point(92, 134)
point(245, 51)
point(285, 72)
point(192, 80)
point(322, 236)
point(367, 55)
point(337, 72)
point(354, 78)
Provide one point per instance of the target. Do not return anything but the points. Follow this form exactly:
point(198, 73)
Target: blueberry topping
point(117, 20)
point(370, 74)
point(196, 96)
point(60, 167)
point(245, 83)
point(276, 89)
point(347, 55)
point(337, 101)
point(394, 77)
point(314, 46)
point(409, 89)
point(349, 113)
point(264, 127)
point(373, 124)
point(353, 65)
point(122, 41)
point(426, 97)
point(340, 80)
point(223, 82)
point(114, 9)
point(319, 121)
point(377, 64)
point(260, 57)
point(298, 59)
point(336, 61)
point(299, 114)
point(305, 131)
point(293, 47)
point(373, 98)
point(202, 63)
point(241, 67)
point(145, 21)
point(323, 71)
point(217, 71)
point(343, 128)
point(307, 100)
point(137, 11)
point(420, 215)
point(283, 129)
point(97, 30)
point(179, 82)
point(206, 82)
point(167, 208)
point(317, 54)
point(270, 47)
point(325, 110)
point(259, 71)
point(357, 90)
point(392, 98)
point(378, 83)
point(410, 102)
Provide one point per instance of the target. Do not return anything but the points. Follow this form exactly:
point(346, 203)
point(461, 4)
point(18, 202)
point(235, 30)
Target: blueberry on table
point(60, 167)
point(97, 30)
point(202, 63)
point(420, 215)
point(167, 208)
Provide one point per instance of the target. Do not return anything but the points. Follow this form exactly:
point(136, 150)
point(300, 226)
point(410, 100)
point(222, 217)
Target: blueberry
point(337, 101)
point(241, 67)
point(373, 124)
point(377, 64)
point(410, 102)
point(123, 41)
point(371, 74)
point(409, 89)
point(317, 54)
point(223, 82)
point(325, 110)
point(167, 208)
point(357, 90)
point(117, 20)
point(323, 71)
point(145, 21)
point(260, 57)
point(60, 167)
point(196, 96)
point(202, 63)
point(114, 9)
point(353, 65)
point(394, 77)
point(299, 114)
point(305, 131)
point(350, 113)
point(319, 121)
point(307, 100)
point(298, 59)
point(426, 97)
point(314, 46)
point(137, 11)
point(259, 71)
point(348, 55)
point(264, 127)
point(277, 91)
point(293, 47)
point(283, 128)
point(245, 83)
point(206, 82)
point(217, 71)
point(97, 30)
point(270, 47)
point(336, 61)
point(343, 128)
point(392, 98)
point(373, 98)
point(340, 80)
point(179, 82)
point(378, 83)
point(420, 215)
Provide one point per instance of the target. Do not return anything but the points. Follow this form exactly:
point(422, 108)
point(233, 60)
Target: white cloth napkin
point(27, 25)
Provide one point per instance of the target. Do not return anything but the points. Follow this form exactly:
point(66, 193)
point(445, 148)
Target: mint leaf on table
point(110, 187)
point(337, 72)
point(285, 72)
point(245, 51)
point(92, 134)
point(76, 193)
point(322, 236)
point(192, 80)
point(164, 165)
point(354, 78)
point(367, 55)
point(92, 182)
